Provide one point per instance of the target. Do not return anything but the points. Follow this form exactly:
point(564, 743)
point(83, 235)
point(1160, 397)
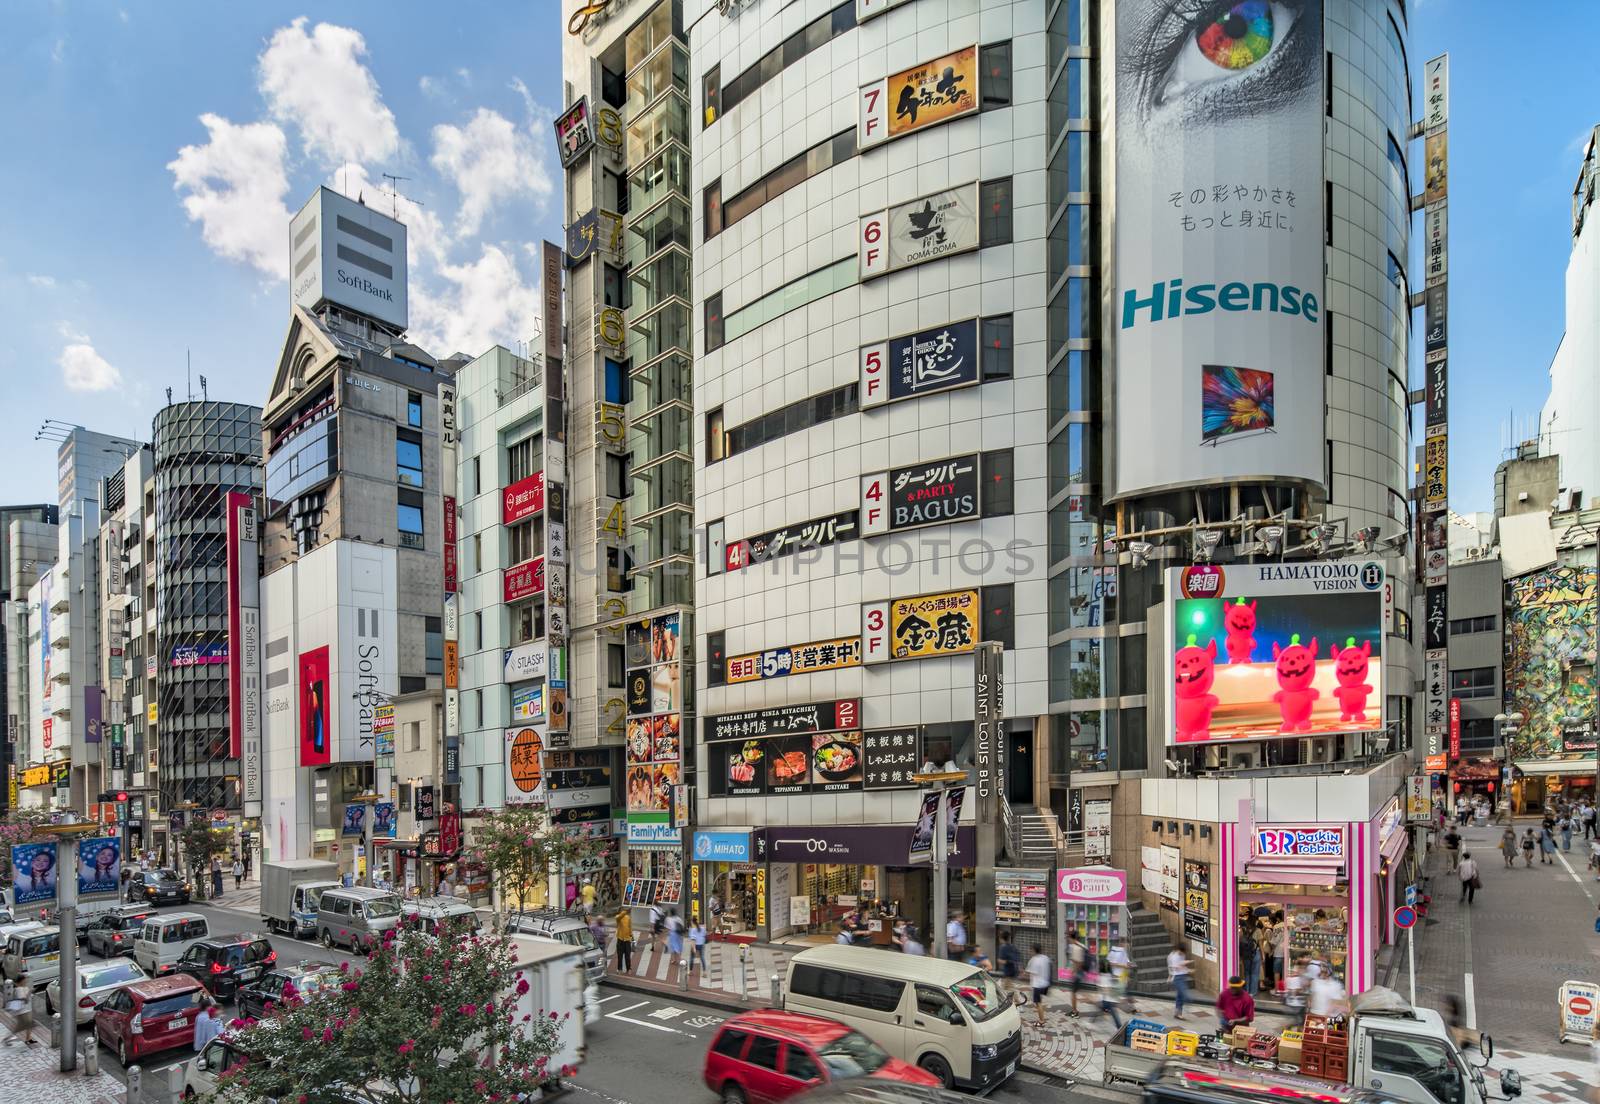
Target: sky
point(156, 152)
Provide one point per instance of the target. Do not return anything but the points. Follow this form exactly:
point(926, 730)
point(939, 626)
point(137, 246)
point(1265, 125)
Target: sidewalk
point(247, 898)
point(32, 1074)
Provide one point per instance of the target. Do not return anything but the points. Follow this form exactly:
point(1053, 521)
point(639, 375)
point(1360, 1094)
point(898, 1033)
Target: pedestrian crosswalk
point(733, 968)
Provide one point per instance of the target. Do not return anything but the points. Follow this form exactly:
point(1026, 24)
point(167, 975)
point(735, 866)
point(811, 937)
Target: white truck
point(556, 982)
point(1400, 1052)
point(290, 889)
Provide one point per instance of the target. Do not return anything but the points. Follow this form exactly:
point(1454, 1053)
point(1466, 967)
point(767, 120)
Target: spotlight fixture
point(1269, 540)
point(1205, 543)
point(1322, 536)
point(1367, 539)
point(1140, 551)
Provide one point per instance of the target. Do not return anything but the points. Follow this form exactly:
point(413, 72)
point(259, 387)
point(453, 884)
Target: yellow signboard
point(795, 659)
point(36, 776)
point(933, 624)
point(150, 713)
point(928, 94)
point(1435, 168)
point(1436, 471)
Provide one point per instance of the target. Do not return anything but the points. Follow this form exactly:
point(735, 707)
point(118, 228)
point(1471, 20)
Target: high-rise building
point(27, 545)
point(353, 537)
point(1570, 422)
point(120, 567)
point(1073, 328)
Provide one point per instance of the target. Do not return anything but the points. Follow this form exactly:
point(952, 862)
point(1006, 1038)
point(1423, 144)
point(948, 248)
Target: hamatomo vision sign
point(1219, 298)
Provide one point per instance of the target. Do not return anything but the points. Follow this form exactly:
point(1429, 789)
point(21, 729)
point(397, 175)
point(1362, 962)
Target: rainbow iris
point(1241, 38)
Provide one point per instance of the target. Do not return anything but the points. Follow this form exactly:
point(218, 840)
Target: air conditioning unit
point(1243, 758)
point(1318, 749)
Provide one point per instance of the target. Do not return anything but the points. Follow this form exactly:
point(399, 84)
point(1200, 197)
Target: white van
point(32, 952)
point(164, 938)
point(428, 914)
point(356, 916)
point(950, 1018)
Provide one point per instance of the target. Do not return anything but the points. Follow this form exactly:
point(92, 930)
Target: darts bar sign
point(816, 533)
point(923, 494)
point(840, 715)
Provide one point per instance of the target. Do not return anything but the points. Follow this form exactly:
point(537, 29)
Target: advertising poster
point(1171, 878)
point(99, 866)
point(922, 363)
point(925, 229)
point(524, 580)
point(1419, 799)
point(795, 659)
point(522, 499)
point(828, 716)
point(527, 702)
point(197, 655)
point(920, 97)
point(922, 627)
point(316, 741)
point(933, 493)
point(1197, 900)
point(1261, 650)
point(523, 767)
point(33, 868)
point(355, 820)
point(654, 732)
point(1218, 308)
point(383, 820)
point(1436, 168)
point(1022, 897)
point(817, 533)
point(1097, 829)
point(1436, 470)
point(574, 132)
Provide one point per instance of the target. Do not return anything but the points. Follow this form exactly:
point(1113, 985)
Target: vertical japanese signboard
point(1435, 490)
point(244, 653)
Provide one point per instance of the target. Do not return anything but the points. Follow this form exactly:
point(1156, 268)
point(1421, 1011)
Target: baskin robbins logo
point(1202, 581)
point(1310, 842)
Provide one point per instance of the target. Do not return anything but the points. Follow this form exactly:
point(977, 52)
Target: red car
point(149, 1016)
point(765, 1056)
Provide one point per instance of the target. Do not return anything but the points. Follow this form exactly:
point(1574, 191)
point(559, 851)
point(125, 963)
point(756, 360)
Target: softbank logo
point(361, 283)
point(1171, 299)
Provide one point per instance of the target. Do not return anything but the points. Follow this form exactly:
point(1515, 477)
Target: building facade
point(1571, 416)
point(31, 547)
point(27, 552)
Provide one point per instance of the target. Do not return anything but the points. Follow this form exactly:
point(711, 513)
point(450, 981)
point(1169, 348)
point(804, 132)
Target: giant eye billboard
point(1218, 311)
point(1256, 651)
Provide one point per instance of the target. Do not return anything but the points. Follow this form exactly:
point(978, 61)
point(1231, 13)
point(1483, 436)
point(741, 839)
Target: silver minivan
point(356, 916)
point(32, 952)
point(563, 927)
point(164, 938)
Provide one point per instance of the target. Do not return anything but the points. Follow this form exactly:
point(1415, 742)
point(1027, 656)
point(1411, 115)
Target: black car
point(224, 963)
point(111, 933)
point(157, 887)
point(305, 979)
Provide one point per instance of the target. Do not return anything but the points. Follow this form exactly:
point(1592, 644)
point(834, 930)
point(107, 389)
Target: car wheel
point(938, 1067)
point(122, 1052)
point(327, 938)
point(188, 1093)
point(732, 1094)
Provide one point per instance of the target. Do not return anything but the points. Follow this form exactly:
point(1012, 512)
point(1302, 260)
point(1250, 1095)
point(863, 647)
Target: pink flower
point(305, 1033)
point(479, 1086)
point(408, 1046)
point(349, 987)
point(468, 1009)
point(522, 986)
point(344, 967)
point(554, 1016)
point(327, 1034)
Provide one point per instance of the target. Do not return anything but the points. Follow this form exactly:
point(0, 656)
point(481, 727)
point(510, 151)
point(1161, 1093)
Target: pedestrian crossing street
point(723, 973)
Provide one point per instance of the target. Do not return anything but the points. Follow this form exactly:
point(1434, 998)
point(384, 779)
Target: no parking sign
point(1579, 999)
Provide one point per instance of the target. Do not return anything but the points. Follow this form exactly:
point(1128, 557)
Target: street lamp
point(66, 836)
point(1506, 727)
point(940, 781)
point(367, 800)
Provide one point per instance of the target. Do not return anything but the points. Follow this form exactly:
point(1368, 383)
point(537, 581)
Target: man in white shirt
point(1178, 972)
point(1327, 995)
point(955, 937)
point(1039, 979)
point(1468, 873)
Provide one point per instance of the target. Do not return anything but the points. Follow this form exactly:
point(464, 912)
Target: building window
point(1474, 682)
point(477, 631)
point(522, 458)
point(618, 564)
point(793, 172)
point(525, 540)
point(997, 347)
point(1472, 625)
point(433, 645)
point(477, 477)
point(711, 95)
point(995, 622)
point(477, 551)
point(994, 63)
point(409, 518)
point(714, 327)
point(616, 658)
point(814, 35)
point(996, 473)
point(413, 409)
point(716, 439)
point(619, 387)
point(792, 296)
point(797, 416)
point(994, 212)
point(713, 209)
point(527, 622)
point(616, 475)
point(408, 457)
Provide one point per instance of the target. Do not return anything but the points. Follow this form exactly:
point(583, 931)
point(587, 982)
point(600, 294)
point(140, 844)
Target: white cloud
point(488, 160)
point(486, 303)
point(83, 369)
point(234, 186)
point(42, 281)
point(318, 83)
point(431, 87)
point(426, 236)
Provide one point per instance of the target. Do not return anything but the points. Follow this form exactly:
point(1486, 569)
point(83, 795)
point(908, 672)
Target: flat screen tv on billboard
point(1218, 308)
point(1261, 651)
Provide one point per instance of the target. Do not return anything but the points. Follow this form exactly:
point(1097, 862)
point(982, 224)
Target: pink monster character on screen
point(1297, 666)
point(1195, 669)
point(1350, 667)
point(1240, 622)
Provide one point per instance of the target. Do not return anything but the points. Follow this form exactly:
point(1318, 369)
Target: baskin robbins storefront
point(1307, 890)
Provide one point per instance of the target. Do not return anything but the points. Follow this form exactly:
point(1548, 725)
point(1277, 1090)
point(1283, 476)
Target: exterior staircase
point(1034, 838)
point(1148, 947)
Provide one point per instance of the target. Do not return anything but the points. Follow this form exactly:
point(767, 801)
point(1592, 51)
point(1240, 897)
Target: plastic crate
point(1148, 1042)
point(1311, 1062)
point(1184, 1044)
point(1146, 1025)
point(1263, 1047)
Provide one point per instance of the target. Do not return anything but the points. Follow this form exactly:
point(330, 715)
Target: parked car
point(151, 1016)
point(765, 1056)
point(32, 951)
point(96, 982)
point(223, 963)
point(565, 927)
point(112, 933)
point(164, 938)
point(428, 914)
point(307, 979)
point(158, 887)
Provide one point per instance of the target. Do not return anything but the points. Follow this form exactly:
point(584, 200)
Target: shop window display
point(1304, 928)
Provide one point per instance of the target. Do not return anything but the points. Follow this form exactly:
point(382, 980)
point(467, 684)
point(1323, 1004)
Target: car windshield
point(382, 908)
point(115, 974)
point(852, 1055)
point(128, 923)
point(579, 937)
point(979, 995)
point(164, 875)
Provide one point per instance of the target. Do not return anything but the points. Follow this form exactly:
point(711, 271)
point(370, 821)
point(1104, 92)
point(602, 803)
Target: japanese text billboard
point(923, 494)
point(816, 533)
point(1263, 650)
point(653, 744)
point(795, 659)
point(925, 229)
point(921, 627)
point(1218, 306)
point(523, 768)
point(920, 97)
point(939, 359)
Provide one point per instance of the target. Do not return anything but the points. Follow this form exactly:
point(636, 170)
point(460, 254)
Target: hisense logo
point(1171, 299)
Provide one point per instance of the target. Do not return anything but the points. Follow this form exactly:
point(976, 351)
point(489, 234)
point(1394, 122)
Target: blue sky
point(154, 153)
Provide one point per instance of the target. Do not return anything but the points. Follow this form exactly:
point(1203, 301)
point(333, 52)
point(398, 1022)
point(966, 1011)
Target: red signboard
point(316, 738)
point(524, 498)
point(48, 722)
point(525, 580)
point(1455, 729)
point(449, 545)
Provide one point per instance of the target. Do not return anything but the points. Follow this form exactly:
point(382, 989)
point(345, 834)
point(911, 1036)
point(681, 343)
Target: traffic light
point(106, 796)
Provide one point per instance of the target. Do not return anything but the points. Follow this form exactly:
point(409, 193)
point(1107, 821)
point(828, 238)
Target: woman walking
point(1528, 844)
point(1564, 826)
point(1508, 847)
point(1547, 846)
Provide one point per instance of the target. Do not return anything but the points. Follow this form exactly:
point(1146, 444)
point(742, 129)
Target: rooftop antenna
point(169, 396)
point(202, 389)
point(395, 195)
point(188, 379)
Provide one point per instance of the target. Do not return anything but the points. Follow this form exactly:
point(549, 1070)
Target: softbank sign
point(1094, 885)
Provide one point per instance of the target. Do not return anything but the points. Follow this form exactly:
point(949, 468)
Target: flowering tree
point(21, 827)
point(521, 848)
point(421, 1021)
